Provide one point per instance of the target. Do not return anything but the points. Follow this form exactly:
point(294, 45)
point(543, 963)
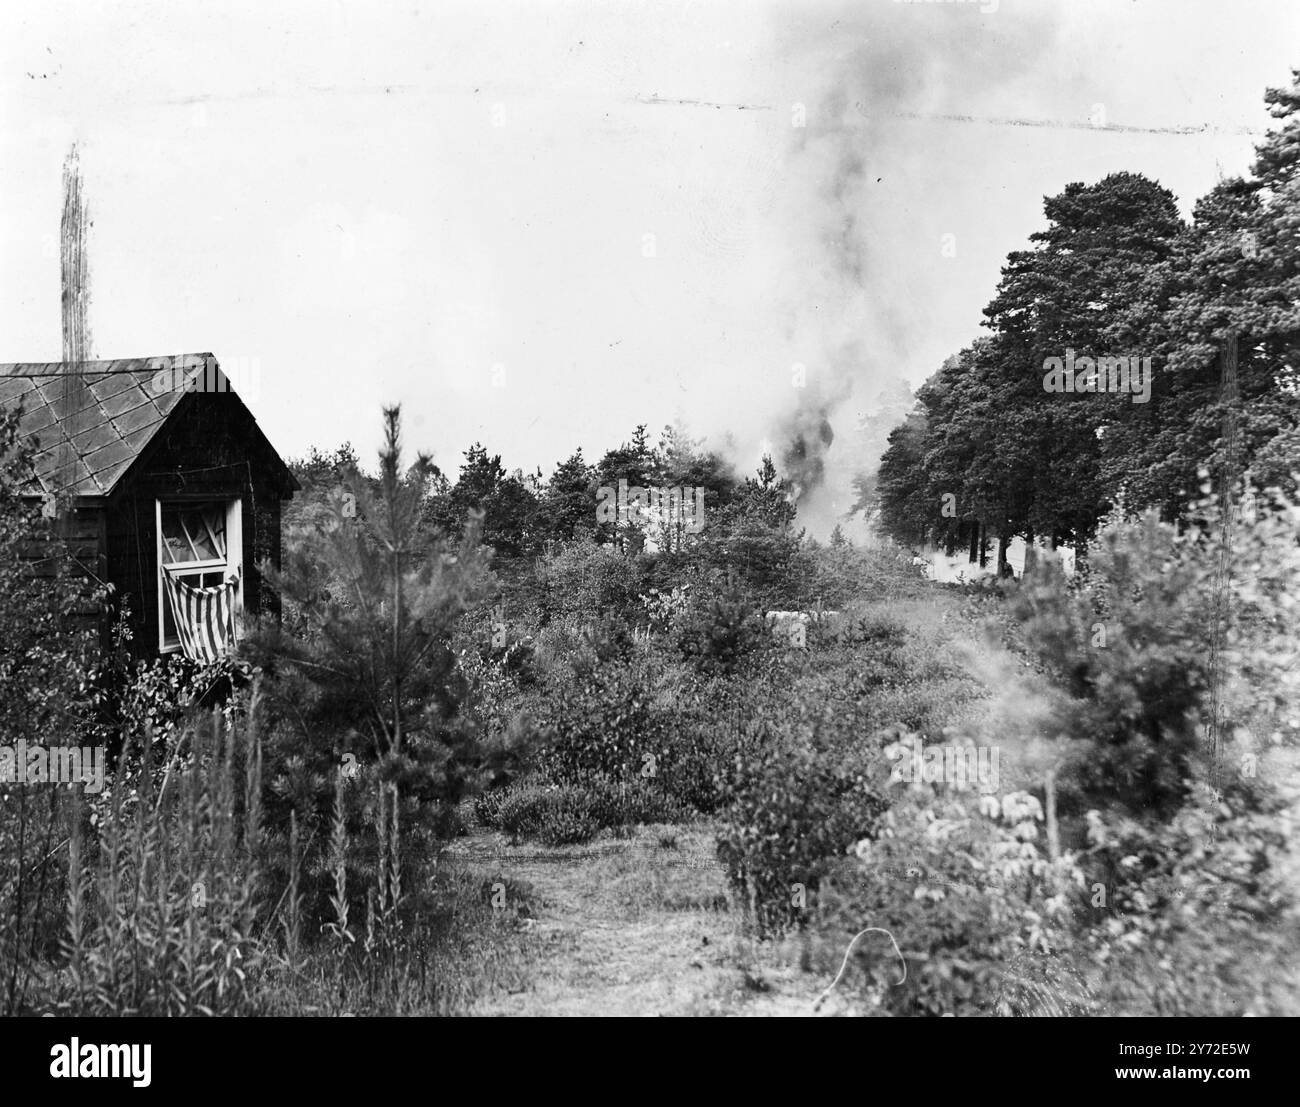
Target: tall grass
point(168, 895)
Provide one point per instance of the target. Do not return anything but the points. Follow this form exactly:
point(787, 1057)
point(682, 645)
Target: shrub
point(630, 730)
point(1183, 916)
point(961, 885)
point(581, 578)
point(722, 630)
point(487, 804)
point(667, 609)
point(605, 725)
point(790, 810)
point(861, 625)
point(163, 691)
point(557, 815)
point(554, 816)
point(631, 803)
point(696, 753)
point(1144, 637)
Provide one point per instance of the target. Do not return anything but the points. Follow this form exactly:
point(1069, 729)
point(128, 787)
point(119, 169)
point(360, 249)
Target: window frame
point(233, 561)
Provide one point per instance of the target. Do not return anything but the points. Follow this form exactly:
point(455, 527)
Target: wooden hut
point(160, 471)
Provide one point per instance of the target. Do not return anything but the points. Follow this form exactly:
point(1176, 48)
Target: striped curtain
point(205, 617)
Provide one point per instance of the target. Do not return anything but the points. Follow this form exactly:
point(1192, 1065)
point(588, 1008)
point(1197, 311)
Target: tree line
point(988, 453)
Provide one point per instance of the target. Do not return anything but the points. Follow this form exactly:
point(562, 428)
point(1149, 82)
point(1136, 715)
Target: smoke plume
point(864, 172)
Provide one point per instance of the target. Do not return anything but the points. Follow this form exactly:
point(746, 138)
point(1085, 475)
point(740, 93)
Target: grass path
point(634, 926)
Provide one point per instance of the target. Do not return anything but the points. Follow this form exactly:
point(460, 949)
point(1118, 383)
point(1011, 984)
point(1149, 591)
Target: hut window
point(201, 543)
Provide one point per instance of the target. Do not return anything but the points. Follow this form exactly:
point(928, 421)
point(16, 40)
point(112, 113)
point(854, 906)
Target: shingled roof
point(119, 413)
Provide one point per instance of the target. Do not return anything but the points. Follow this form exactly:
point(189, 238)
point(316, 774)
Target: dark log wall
point(74, 551)
point(79, 537)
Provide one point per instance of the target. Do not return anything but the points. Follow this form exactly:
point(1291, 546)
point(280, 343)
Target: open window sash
point(200, 547)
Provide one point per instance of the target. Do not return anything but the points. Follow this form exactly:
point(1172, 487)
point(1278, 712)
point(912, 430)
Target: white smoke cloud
point(863, 179)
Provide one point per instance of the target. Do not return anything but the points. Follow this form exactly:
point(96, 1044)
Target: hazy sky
point(539, 224)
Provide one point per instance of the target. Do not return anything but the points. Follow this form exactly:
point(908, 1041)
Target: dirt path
point(636, 926)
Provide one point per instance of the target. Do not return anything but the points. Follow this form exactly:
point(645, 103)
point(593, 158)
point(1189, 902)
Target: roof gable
point(119, 412)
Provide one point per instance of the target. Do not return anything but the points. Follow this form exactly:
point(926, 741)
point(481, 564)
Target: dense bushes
point(551, 814)
point(835, 576)
point(606, 725)
point(583, 580)
point(961, 884)
point(1189, 917)
point(1167, 633)
point(807, 777)
point(158, 694)
point(622, 750)
point(721, 631)
point(790, 811)
point(564, 814)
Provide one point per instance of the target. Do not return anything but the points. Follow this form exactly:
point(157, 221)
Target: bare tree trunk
point(1053, 832)
point(1228, 394)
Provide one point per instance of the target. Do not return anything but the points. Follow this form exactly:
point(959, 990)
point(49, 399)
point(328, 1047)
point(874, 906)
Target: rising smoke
point(863, 172)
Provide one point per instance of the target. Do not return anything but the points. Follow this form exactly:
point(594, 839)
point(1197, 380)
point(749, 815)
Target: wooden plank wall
point(205, 452)
point(73, 550)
